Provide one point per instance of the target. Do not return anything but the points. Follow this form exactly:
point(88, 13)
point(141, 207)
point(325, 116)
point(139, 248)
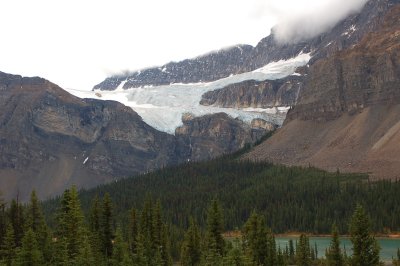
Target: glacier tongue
point(162, 107)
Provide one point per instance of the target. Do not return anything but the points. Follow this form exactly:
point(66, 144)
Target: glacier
point(162, 107)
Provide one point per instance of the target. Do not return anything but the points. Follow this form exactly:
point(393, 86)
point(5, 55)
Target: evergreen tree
point(95, 215)
point(235, 257)
point(334, 254)
point(107, 226)
point(191, 249)
point(280, 258)
point(7, 251)
point(215, 227)
point(139, 257)
point(85, 256)
point(271, 249)
point(133, 230)
point(121, 255)
point(291, 252)
point(396, 262)
point(29, 254)
point(35, 221)
point(211, 256)
point(157, 226)
point(365, 247)
point(303, 254)
point(16, 218)
point(59, 253)
point(70, 222)
point(165, 247)
point(95, 230)
point(259, 242)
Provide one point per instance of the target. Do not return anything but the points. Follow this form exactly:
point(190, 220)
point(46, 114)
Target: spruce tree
point(16, 218)
point(303, 254)
point(70, 222)
point(235, 257)
point(211, 256)
point(85, 256)
point(259, 242)
point(95, 234)
point(60, 256)
point(139, 257)
point(191, 249)
point(107, 226)
point(29, 254)
point(334, 255)
point(215, 227)
point(121, 255)
point(35, 221)
point(396, 261)
point(133, 230)
point(7, 251)
point(365, 247)
point(291, 252)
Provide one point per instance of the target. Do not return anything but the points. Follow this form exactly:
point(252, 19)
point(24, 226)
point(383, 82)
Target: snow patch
point(350, 31)
point(87, 158)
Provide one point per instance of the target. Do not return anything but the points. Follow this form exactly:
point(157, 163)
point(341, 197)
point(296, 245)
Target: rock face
point(257, 94)
point(246, 58)
point(210, 67)
point(351, 80)
point(347, 115)
point(216, 134)
point(50, 139)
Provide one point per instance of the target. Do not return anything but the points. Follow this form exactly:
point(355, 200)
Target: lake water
point(388, 246)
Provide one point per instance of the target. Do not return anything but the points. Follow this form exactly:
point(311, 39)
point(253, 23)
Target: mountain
point(347, 116)
point(51, 139)
point(245, 58)
point(209, 67)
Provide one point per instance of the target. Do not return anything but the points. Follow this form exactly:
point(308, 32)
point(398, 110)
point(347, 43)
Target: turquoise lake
point(388, 246)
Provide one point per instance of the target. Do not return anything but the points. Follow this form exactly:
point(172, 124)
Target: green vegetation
point(102, 242)
point(291, 198)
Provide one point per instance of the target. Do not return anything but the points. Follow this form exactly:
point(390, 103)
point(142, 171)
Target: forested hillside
point(291, 198)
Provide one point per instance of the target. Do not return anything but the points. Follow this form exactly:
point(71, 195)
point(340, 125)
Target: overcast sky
point(78, 43)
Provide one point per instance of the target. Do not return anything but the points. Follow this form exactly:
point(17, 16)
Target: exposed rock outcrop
point(257, 94)
point(216, 134)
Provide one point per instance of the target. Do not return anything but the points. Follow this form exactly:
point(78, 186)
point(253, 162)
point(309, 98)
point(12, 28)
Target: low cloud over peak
point(303, 19)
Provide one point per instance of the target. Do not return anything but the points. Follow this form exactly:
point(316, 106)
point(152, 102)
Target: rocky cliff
point(347, 114)
point(256, 94)
point(217, 134)
point(50, 139)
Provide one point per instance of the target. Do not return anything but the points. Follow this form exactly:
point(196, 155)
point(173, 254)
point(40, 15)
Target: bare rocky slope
point(50, 139)
point(348, 114)
point(257, 94)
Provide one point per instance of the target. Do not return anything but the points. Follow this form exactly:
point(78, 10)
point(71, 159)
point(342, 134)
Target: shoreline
point(297, 234)
point(231, 234)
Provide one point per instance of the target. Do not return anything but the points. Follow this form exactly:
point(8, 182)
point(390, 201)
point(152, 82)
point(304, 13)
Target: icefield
point(162, 107)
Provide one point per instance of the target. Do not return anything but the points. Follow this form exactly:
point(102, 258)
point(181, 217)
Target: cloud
point(303, 19)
